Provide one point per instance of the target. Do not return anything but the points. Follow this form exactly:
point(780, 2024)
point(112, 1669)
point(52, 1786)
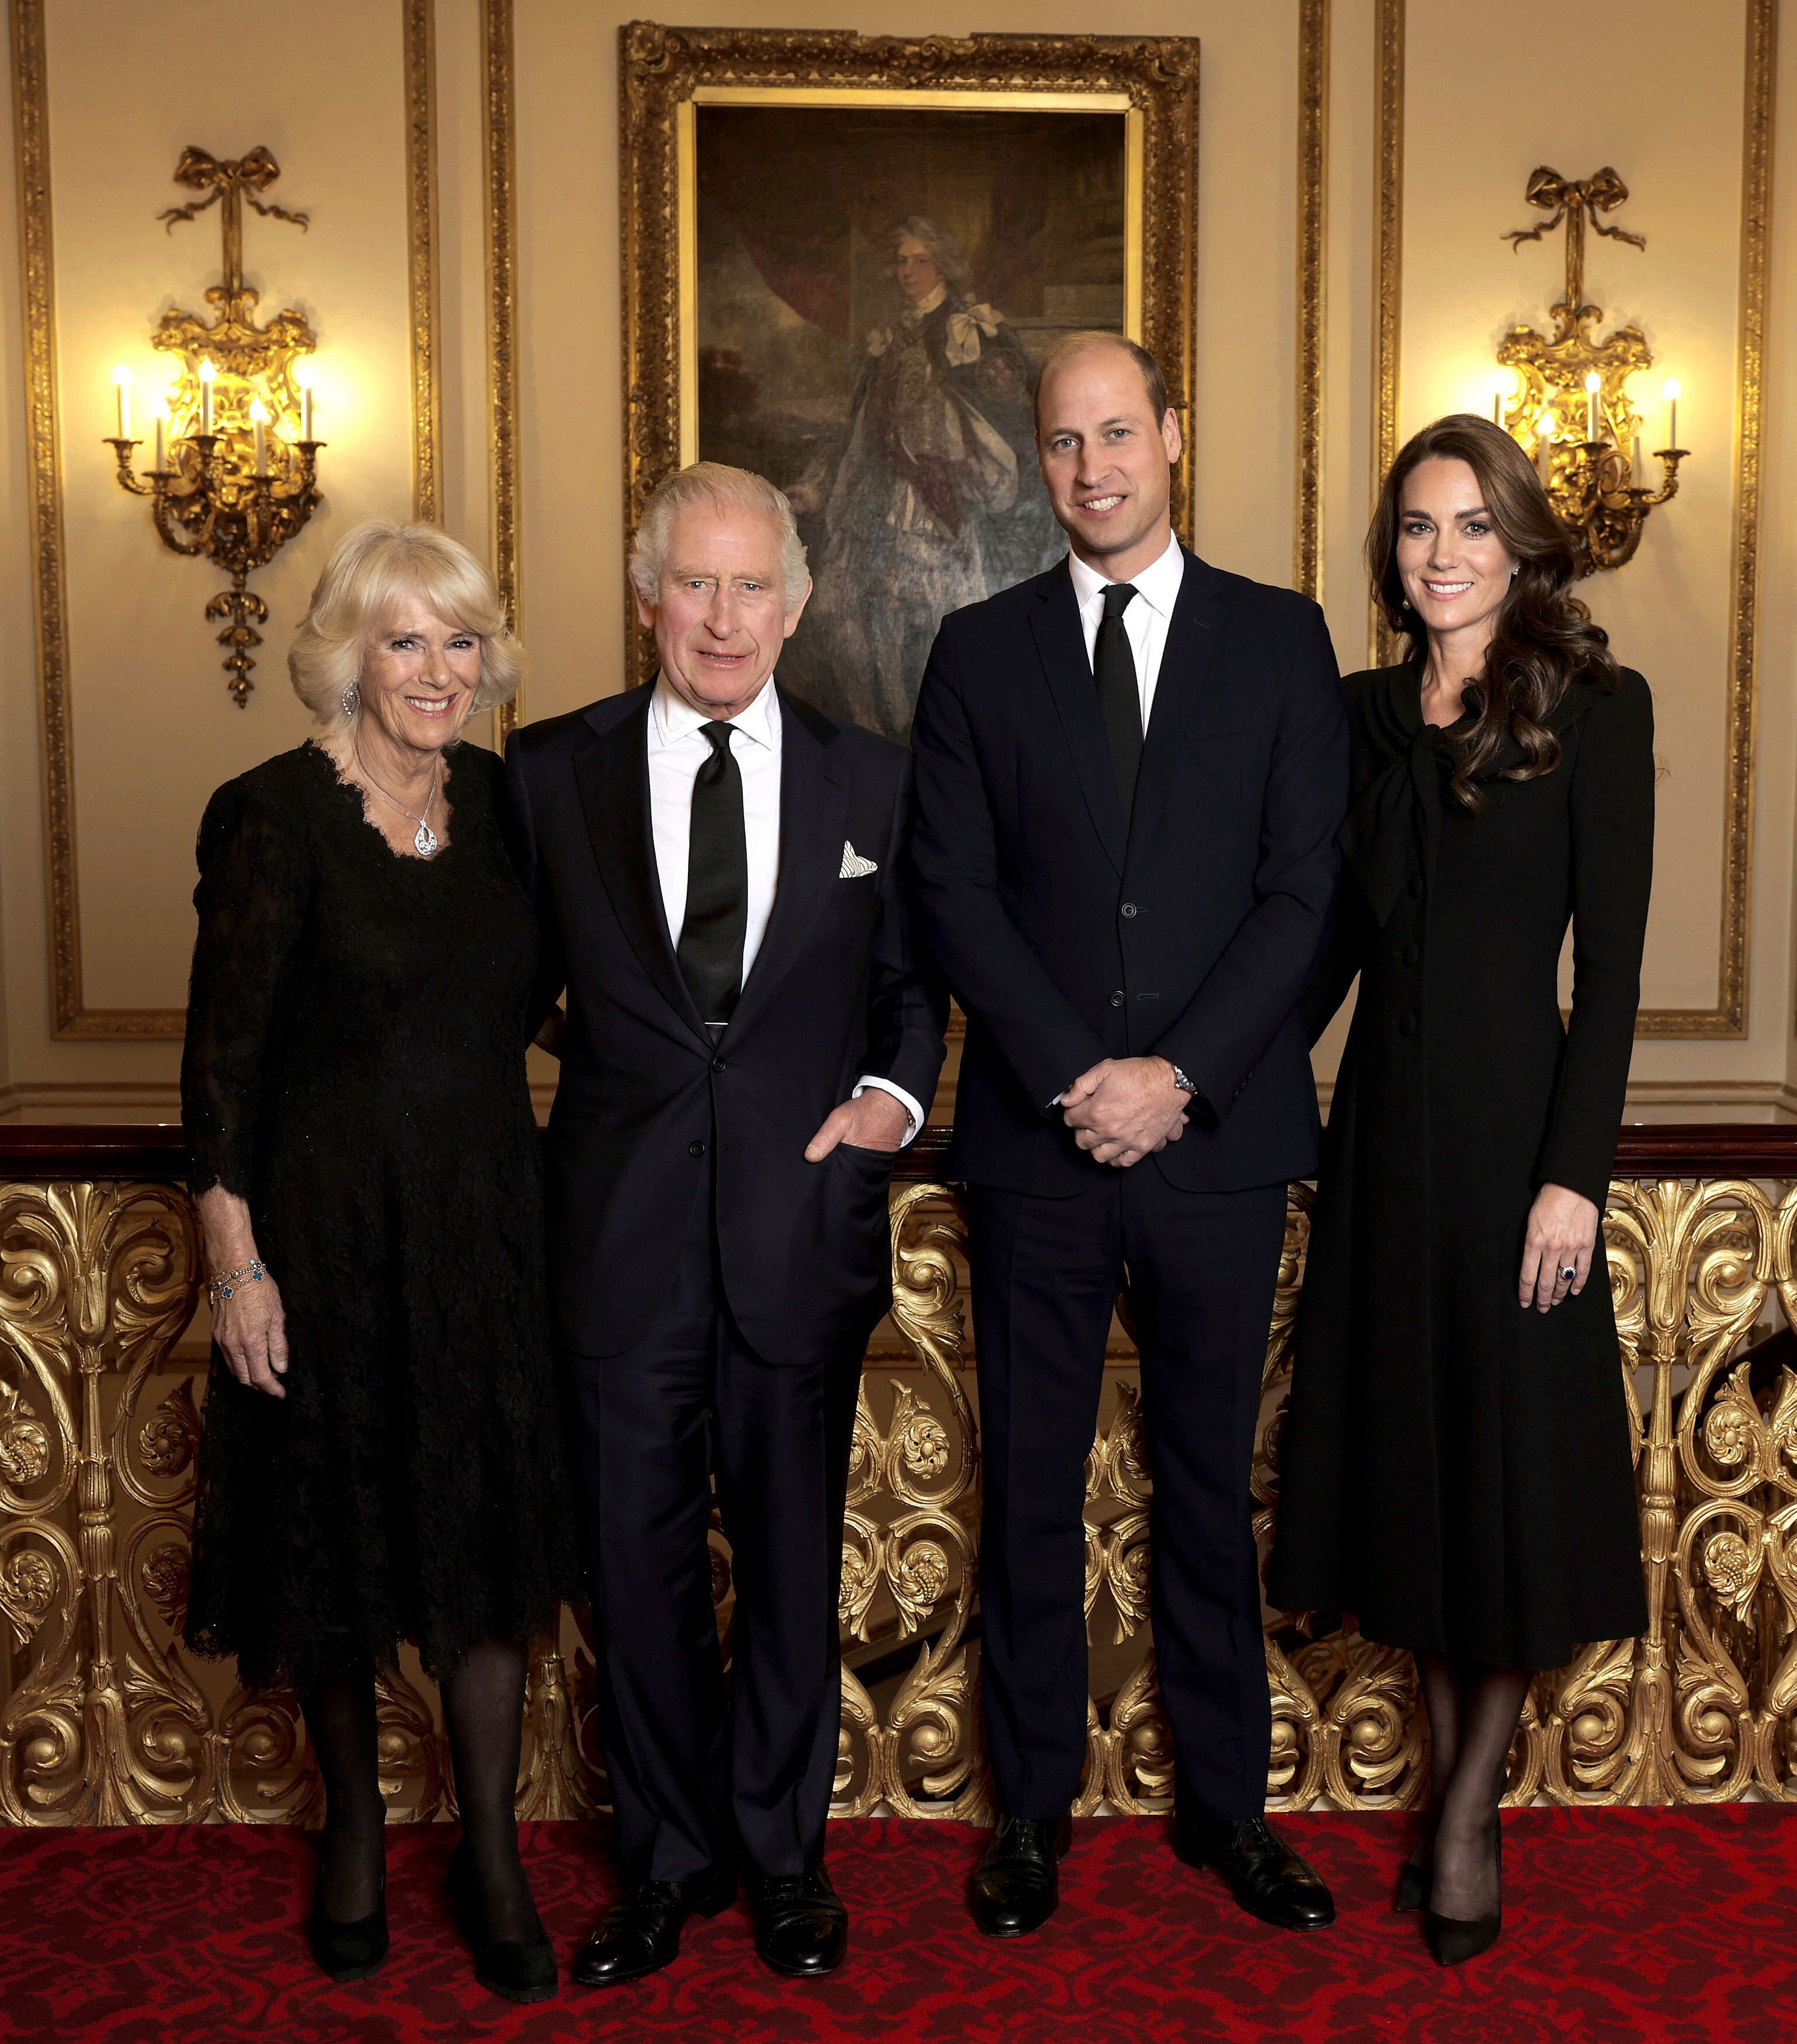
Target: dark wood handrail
point(154, 1150)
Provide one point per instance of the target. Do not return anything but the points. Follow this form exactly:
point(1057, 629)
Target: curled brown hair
point(1544, 639)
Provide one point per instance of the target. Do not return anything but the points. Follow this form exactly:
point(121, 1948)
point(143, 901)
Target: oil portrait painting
point(875, 288)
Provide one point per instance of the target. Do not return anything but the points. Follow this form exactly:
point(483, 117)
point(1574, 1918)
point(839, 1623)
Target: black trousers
point(1202, 1267)
point(695, 1777)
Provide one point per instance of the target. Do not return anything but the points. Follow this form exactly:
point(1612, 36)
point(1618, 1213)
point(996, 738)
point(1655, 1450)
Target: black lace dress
point(354, 1068)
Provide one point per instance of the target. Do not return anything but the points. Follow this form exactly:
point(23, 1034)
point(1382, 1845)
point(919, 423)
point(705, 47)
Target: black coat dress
point(1457, 1469)
point(355, 1069)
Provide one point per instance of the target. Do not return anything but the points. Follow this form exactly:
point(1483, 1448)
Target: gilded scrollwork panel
point(106, 1719)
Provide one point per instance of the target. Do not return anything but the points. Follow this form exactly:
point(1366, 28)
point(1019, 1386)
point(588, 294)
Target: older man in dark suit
point(720, 875)
point(1130, 771)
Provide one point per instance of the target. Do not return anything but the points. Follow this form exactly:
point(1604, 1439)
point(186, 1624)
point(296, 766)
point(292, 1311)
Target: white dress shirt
point(1146, 621)
point(677, 748)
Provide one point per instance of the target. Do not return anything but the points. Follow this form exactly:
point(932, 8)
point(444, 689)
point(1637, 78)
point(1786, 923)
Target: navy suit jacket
point(834, 992)
point(1067, 940)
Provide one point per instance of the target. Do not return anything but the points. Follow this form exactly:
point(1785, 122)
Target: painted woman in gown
point(926, 500)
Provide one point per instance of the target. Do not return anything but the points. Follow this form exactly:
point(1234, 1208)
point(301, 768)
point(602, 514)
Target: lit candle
point(121, 384)
point(1544, 446)
point(1593, 384)
point(162, 437)
point(207, 373)
point(259, 419)
point(1671, 394)
point(1497, 408)
point(303, 376)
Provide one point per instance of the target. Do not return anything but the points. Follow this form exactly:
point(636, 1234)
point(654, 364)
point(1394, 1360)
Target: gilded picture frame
point(889, 133)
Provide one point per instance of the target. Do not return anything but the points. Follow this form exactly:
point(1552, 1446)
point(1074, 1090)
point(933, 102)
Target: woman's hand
point(1561, 1236)
point(251, 1330)
point(250, 1326)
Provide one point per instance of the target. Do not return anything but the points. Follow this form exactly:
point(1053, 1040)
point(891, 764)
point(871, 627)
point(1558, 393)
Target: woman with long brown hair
point(1456, 1458)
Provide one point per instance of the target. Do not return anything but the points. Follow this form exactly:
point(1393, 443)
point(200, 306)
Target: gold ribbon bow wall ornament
point(235, 476)
point(1572, 408)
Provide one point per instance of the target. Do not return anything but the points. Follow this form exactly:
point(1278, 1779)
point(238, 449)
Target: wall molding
point(499, 137)
point(71, 1019)
point(1729, 1017)
point(1313, 236)
point(419, 18)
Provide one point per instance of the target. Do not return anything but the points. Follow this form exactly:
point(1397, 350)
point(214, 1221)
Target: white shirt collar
point(928, 305)
point(675, 719)
point(1156, 586)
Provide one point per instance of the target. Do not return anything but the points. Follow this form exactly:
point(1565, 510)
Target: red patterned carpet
point(1624, 1925)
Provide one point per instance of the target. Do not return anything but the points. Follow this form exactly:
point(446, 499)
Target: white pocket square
point(854, 866)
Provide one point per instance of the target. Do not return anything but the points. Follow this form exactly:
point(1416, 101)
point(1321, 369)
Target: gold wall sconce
point(1571, 408)
point(234, 475)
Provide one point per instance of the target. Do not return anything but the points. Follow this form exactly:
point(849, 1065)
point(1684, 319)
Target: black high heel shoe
point(520, 1969)
point(350, 1951)
point(1455, 1939)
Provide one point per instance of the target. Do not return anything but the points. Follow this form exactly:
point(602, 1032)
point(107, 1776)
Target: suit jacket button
point(717, 1064)
point(1129, 909)
point(695, 1149)
point(1407, 1025)
point(1117, 999)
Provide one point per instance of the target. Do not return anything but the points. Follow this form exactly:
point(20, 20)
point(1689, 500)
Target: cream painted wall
point(154, 731)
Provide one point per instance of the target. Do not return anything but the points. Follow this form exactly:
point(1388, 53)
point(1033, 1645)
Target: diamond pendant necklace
point(425, 842)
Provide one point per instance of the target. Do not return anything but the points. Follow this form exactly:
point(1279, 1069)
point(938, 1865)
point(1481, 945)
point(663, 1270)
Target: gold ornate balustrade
point(106, 1719)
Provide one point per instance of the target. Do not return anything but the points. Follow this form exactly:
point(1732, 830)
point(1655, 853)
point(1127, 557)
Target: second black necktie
point(1119, 700)
point(717, 884)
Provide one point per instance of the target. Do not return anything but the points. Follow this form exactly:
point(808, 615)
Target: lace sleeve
point(254, 884)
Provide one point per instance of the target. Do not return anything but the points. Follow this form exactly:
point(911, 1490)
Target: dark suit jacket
point(834, 992)
point(1067, 942)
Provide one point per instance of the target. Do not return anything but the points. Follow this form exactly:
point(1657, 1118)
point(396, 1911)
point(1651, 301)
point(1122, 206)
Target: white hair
point(713, 483)
point(371, 568)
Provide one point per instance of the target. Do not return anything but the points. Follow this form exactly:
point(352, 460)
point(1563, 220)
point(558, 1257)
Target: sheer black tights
point(340, 1722)
point(483, 1704)
point(483, 1707)
point(1474, 1710)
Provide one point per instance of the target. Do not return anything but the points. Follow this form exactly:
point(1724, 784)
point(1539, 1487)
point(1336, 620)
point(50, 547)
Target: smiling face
point(915, 268)
point(1106, 460)
point(1454, 569)
point(720, 619)
point(419, 675)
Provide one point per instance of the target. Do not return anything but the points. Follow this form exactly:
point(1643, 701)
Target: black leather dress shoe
point(520, 1969)
point(1267, 1878)
point(801, 1927)
point(350, 1951)
point(1015, 1889)
point(640, 1933)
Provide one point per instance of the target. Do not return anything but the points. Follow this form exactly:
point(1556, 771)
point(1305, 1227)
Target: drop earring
point(352, 698)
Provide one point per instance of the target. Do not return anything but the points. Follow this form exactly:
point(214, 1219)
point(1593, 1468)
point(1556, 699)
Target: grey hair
point(952, 266)
point(370, 567)
point(713, 483)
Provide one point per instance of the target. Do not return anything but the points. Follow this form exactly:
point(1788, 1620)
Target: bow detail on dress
point(1398, 812)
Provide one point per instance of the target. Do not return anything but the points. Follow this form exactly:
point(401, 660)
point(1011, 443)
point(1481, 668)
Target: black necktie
point(1119, 702)
point(717, 884)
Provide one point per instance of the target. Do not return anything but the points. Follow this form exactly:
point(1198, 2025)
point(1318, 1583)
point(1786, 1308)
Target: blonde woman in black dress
point(1457, 1464)
point(382, 1457)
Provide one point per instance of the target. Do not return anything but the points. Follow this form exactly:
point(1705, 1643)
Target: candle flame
point(162, 407)
point(121, 375)
point(1544, 426)
point(305, 375)
point(1670, 389)
point(259, 412)
point(207, 372)
point(1593, 381)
